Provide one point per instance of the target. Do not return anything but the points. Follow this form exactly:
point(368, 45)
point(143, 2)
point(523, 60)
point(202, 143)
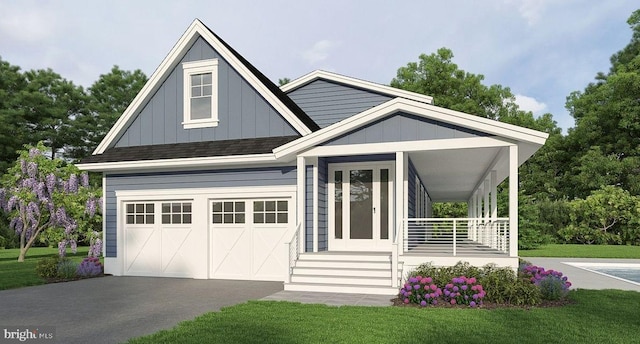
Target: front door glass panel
point(361, 204)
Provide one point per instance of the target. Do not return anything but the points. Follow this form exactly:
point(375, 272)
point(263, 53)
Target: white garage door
point(159, 239)
point(248, 236)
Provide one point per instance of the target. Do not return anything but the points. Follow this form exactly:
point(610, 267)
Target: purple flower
point(62, 246)
point(84, 179)
point(51, 181)
point(464, 287)
point(416, 287)
point(472, 304)
point(73, 183)
point(423, 303)
point(34, 152)
point(455, 288)
point(23, 166)
point(32, 169)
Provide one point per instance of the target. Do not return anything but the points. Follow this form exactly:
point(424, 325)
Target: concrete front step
point(342, 288)
point(332, 271)
point(335, 280)
point(353, 256)
point(341, 264)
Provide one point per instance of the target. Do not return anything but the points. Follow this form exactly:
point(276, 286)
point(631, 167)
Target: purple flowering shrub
point(464, 291)
point(552, 284)
point(421, 291)
point(48, 199)
point(90, 267)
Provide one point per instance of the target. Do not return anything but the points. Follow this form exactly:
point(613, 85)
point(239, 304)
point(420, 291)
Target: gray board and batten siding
point(242, 111)
point(328, 102)
point(404, 127)
point(269, 176)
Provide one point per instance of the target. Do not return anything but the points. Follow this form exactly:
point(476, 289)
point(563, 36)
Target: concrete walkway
point(115, 309)
point(584, 279)
point(331, 299)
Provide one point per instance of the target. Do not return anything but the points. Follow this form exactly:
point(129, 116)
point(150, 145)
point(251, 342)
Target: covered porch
point(366, 188)
point(399, 193)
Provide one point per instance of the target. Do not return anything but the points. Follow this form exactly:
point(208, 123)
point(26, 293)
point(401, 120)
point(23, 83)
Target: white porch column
point(400, 181)
point(300, 196)
point(314, 161)
point(513, 201)
point(486, 189)
point(494, 195)
point(485, 228)
point(479, 236)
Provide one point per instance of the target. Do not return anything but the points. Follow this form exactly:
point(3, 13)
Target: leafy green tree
point(283, 81)
point(44, 196)
point(605, 141)
point(49, 104)
point(12, 83)
point(608, 216)
point(109, 96)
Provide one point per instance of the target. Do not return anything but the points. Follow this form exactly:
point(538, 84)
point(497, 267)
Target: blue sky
point(542, 49)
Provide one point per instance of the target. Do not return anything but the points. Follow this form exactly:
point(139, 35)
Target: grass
point(597, 316)
point(16, 275)
point(583, 251)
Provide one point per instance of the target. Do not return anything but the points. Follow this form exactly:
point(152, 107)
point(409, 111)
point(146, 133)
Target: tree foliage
point(47, 197)
point(108, 97)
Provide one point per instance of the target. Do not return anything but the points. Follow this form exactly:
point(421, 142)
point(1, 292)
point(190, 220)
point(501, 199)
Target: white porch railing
point(294, 251)
point(456, 236)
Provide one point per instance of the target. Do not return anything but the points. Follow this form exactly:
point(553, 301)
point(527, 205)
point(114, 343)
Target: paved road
point(584, 279)
point(114, 309)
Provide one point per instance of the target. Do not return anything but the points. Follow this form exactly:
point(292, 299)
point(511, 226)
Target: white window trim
point(199, 67)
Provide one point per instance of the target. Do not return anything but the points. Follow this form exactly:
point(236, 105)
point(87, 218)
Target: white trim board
point(500, 129)
point(358, 83)
point(195, 30)
point(182, 163)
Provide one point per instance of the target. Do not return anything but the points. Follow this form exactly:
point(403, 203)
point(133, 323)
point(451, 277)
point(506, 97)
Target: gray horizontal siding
point(308, 208)
point(323, 226)
point(411, 192)
point(404, 127)
point(242, 112)
point(182, 180)
point(328, 102)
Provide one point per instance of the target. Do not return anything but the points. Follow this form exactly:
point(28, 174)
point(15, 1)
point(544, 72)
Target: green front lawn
point(583, 251)
point(16, 275)
point(609, 316)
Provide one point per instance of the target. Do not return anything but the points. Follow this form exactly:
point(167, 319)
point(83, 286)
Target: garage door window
point(228, 212)
point(140, 213)
point(270, 211)
point(176, 213)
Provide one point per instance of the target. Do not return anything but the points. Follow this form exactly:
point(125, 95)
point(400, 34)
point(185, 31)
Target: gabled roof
point(499, 129)
point(353, 82)
point(266, 88)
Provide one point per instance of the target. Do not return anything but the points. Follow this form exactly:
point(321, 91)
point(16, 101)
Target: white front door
point(360, 206)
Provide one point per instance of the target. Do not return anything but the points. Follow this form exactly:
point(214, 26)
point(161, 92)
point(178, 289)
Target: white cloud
point(319, 51)
point(530, 104)
point(28, 25)
point(530, 10)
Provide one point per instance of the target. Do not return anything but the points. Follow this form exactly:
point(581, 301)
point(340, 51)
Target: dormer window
point(200, 94)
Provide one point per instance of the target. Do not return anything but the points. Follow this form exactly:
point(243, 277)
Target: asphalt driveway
point(115, 309)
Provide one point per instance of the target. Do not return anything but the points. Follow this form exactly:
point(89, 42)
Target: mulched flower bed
point(486, 305)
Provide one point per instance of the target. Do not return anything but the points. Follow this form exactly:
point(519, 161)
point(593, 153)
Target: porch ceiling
point(452, 175)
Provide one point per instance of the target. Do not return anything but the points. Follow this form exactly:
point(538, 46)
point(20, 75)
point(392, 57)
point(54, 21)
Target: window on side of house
point(200, 94)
